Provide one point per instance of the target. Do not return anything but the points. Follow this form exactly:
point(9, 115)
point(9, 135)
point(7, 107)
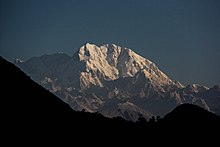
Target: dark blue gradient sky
point(181, 36)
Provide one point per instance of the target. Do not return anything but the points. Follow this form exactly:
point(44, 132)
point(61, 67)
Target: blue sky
point(181, 36)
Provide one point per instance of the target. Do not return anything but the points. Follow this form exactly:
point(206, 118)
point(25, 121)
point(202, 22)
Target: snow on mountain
point(127, 111)
point(17, 61)
point(196, 88)
point(110, 78)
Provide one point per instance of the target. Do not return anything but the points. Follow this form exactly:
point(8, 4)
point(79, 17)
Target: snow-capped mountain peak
point(110, 62)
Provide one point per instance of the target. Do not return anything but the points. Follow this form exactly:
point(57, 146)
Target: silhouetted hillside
point(24, 97)
point(189, 113)
point(191, 120)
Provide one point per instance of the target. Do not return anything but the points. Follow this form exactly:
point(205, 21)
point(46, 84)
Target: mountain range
point(31, 114)
point(115, 81)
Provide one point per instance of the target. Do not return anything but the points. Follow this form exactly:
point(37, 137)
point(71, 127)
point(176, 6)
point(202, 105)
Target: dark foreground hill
point(190, 119)
point(29, 110)
point(24, 97)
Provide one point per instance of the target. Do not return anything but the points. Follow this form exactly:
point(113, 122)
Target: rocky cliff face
point(113, 80)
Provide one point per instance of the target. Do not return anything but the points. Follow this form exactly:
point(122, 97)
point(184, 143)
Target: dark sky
point(181, 36)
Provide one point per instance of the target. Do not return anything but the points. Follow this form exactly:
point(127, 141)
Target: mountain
point(29, 112)
point(114, 81)
point(188, 118)
point(212, 98)
point(25, 96)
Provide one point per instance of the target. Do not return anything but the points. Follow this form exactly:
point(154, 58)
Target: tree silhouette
point(141, 119)
point(158, 118)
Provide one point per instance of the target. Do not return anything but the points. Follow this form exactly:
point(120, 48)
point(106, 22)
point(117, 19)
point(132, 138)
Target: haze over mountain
point(115, 81)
